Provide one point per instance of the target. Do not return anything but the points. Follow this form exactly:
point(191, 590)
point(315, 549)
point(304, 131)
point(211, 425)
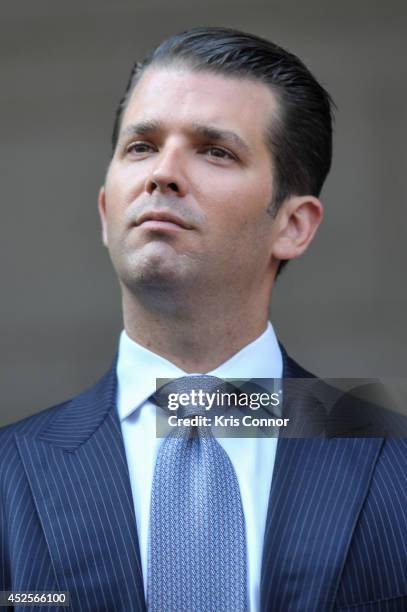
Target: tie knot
point(191, 395)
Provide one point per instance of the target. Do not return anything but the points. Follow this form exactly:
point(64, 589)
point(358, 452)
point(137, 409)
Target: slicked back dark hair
point(300, 132)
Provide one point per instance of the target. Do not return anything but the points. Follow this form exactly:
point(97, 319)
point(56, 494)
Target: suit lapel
point(318, 489)
point(78, 475)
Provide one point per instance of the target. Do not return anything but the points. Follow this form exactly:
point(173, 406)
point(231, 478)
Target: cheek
point(244, 210)
point(123, 185)
point(114, 212)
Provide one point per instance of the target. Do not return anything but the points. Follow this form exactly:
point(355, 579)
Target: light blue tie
point(197, 545)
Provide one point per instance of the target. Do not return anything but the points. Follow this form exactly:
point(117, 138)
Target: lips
point(162, 219)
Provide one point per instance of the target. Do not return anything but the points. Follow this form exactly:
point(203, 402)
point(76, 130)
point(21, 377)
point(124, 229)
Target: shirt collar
point(138, 368)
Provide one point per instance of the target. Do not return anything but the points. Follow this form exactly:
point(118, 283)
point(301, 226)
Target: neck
point(195, 337)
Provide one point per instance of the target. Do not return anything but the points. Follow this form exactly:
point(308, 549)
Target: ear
point(295, 226)
point(102, 214)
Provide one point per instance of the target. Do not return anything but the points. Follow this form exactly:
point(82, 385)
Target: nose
point(167, 175)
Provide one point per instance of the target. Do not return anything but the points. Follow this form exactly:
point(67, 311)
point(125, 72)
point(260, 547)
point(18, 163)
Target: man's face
point(186, 194)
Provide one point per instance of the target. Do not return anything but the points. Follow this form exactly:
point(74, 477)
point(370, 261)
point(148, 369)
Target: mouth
point(161, 221)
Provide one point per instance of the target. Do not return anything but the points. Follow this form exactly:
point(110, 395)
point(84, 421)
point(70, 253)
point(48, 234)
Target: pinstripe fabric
point(325, 527)
point(317, 492)
point(25, 560)
point(68, 507)
point(335, 536)
point(380, 564)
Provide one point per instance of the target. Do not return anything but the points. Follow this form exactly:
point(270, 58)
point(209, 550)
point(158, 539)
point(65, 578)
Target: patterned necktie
point(197, 543)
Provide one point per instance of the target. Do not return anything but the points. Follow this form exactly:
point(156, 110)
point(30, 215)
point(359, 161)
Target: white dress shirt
point(252, 458)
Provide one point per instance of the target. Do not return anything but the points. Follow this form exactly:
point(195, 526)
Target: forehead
point(177, 97)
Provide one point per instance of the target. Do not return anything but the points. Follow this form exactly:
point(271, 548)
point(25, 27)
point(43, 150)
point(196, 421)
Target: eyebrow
point(209, 132)
point(141, 129)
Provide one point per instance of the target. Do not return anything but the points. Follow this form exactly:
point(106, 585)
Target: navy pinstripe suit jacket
point(335, 536)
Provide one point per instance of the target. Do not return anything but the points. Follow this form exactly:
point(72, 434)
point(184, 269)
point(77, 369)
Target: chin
point(153, 274)
point(154, 269)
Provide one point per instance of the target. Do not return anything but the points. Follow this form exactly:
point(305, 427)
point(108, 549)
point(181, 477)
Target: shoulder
point(30, 426)
point(12, 473)
point(80, 413)
point(348, 407)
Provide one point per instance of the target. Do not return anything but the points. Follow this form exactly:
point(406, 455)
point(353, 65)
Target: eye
point(219, 153)
point(139, 148)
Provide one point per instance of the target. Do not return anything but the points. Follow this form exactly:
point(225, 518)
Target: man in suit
point(221, 145)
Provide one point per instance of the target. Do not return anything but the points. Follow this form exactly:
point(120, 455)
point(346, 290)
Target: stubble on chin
point(155, 269)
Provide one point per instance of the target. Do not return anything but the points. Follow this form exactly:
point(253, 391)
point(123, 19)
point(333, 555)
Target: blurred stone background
point(340, 310)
